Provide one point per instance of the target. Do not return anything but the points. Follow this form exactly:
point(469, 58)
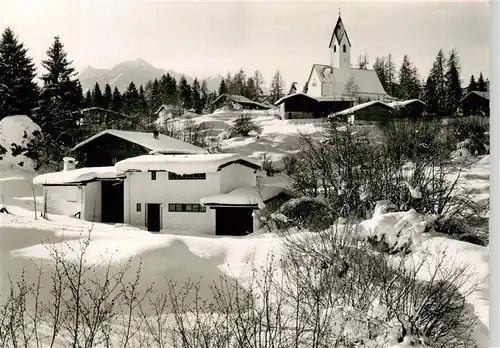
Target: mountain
point(138, 71)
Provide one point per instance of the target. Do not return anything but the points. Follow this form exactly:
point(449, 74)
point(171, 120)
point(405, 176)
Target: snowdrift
point(16, 131)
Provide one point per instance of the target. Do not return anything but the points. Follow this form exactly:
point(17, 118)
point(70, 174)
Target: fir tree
point(409, 81)
point(259, 83)
point(435, 86)
point(481, 84)
point(204, 95)
point(277, 87)
point(60, 100)
point(142, 105)
point(108, 96)
point(196, 96)
point(238, 83)
point(472, 84)
point(380, 68)
point(88, 99)
point(453, 93)
point(390, 76)
point(18, 90)
point(185, 94)
point(131, 99)
point(222, 87)
point(116, 100)
point(251, 90)
point(97, 97)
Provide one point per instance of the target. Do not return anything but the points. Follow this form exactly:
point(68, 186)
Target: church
point(334, 87)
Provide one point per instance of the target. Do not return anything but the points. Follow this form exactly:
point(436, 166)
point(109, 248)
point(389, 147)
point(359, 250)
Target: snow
point(397, 104)
point(17, 129)
point(162, 143)
point(244, 196)
point(183, 164)
point(77, 176)
point(358, 107)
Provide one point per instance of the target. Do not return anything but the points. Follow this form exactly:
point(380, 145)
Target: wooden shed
point(476, 103)
point(365, 113)
point(412, 108)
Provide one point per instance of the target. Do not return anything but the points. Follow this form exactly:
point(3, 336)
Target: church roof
point(367, 80)
point(339, 32)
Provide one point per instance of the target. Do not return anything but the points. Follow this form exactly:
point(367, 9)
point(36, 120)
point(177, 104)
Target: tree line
point(441, 91)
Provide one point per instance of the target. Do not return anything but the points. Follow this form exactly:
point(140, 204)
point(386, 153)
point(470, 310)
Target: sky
point(203, 38)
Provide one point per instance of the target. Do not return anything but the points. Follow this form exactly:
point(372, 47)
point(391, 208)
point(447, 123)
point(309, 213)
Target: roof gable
point(163, 143)
point(484, 95)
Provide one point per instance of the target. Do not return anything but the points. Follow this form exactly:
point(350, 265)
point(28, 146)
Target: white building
point(339, 79)
point(207, 193)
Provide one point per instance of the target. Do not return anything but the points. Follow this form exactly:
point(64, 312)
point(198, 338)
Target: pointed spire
point(339, 11)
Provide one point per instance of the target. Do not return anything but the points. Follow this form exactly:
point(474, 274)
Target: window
point(138, 207)
point(186, 208)
point(334, 48)
point(195, 176)
point(153, 175)
point(344, 48)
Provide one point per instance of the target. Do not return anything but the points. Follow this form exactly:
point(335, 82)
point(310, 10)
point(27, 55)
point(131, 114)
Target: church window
point(344, 48)
point(334, 48)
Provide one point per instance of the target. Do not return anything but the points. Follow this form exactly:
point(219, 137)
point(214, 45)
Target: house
point(369, 112)
point(476, 103)
point(412, 108)
point(209, 193)
point(168, 111)
point(239, 102)
point(339, 79)
point(110, 146)
point(301, 106)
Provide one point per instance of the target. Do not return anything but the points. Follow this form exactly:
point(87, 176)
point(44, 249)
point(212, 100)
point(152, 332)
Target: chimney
point(69, 163)
point(155, 134)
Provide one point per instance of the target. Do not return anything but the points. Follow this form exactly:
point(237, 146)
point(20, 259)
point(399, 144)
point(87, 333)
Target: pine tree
point(251, 90)
point(204, 96)
point(453, 84)
point(222, 87)
point(60, 100)
point(18, 90)
point(390, 76)
point(238, 83)
point(481, 84)
point(277, 87)
point(435, 86)
point(116, 100)
point(131, 99)
point(259, 83)
point(142, 105)
point(108, 96)
point(379, 67)
point(97, 97)
point(88, 99)
point(472, 84)
point(409, 81)
point(196, 96)
point(185, 94)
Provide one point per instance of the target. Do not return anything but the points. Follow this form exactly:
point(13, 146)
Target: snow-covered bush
point(244, 124)
point(471, 133)
point(309, 212)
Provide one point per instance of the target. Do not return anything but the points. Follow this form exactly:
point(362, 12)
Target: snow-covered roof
point(244, 196)
point(293, 95)
point(147, 140)
point(359, 107)
point(185, 164)
point(77, 176)
point(485, 95)
point(398, 104)
point(240, 100)
point(366, 79)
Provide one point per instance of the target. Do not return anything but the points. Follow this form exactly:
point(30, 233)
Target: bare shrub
point(472, 132)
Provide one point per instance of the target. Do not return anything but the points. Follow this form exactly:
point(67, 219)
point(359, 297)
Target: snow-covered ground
point(184, 256)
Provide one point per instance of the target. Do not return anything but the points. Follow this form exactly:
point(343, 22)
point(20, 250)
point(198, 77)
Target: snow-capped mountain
point(138, 71)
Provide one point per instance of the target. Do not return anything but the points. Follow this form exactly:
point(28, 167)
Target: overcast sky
point(201, 38)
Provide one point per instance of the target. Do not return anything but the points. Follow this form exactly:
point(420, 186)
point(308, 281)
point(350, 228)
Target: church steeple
point(340, 46)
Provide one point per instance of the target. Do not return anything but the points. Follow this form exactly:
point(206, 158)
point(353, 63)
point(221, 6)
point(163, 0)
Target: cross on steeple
point(339, 11)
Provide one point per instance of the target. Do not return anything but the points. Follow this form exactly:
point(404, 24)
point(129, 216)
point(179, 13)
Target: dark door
point(153, 217)
point(112, 201)
point(233, 221)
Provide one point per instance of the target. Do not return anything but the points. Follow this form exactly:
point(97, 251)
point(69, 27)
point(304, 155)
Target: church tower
point(340, 47)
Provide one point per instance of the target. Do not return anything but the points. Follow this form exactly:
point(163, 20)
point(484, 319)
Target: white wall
point(139, 188)
point(315, 91)
point(234, 176)
point(92, 207)
point(63, 200)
